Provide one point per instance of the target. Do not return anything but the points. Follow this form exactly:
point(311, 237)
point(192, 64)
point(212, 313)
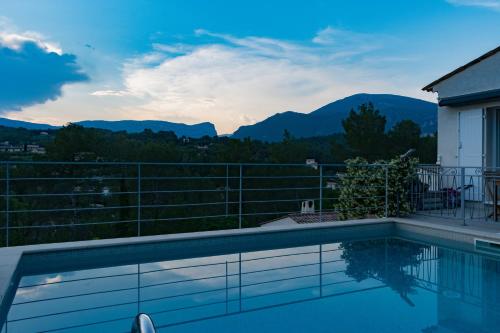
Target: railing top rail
point(457, 166)
point(134, 163)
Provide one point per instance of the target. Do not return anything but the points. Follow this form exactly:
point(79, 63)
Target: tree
point(427, 149)
point(338, 150)
point(365, 132)
point(290, 150)
point(403, 136)
point(72, 140)
point(287, 136)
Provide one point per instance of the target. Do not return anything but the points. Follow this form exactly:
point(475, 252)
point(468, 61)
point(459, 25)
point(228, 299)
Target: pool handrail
point(143, 324)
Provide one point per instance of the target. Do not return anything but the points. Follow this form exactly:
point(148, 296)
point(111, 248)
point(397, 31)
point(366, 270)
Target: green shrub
point(363, 188)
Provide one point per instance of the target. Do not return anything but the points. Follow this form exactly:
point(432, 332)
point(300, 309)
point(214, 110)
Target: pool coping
point(10, 257)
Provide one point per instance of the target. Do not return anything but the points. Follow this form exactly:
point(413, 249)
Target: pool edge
point(12, 256)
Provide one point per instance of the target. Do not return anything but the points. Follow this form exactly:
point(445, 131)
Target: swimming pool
point(380, 284)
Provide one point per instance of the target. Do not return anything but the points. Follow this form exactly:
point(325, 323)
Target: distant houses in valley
point(7, 147)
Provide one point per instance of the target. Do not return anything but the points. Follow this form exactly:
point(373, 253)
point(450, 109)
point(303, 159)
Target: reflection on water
point(385, 285)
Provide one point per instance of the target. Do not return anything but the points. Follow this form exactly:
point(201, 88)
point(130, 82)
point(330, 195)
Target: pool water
point(382, 285)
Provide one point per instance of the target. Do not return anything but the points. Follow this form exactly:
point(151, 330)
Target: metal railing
point(463, 193)
point(65, 201)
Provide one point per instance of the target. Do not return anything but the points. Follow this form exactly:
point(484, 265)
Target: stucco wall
point(480, 77)
point(448, 132)
point(447, 136)
point(483, 76)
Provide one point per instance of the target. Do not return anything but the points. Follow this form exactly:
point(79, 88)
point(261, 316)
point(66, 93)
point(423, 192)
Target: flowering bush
point(363, 188)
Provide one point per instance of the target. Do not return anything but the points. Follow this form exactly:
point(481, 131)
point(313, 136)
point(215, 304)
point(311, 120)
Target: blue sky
point(228, 62)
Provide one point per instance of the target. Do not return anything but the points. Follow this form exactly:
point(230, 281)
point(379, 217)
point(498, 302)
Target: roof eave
point(430, 86)
point(470, 99)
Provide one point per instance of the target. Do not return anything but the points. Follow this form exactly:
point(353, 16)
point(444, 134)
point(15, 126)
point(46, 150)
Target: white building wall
point(448, 133)
point(481, 77)
point(447, 136)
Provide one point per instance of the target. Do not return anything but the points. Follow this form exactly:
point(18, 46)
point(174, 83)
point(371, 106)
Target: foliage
point(363, 191)
point(427, 149)
point(365, 132)
point(365, 136)
point(401, 173)
point(74, 142)
point(403, 136)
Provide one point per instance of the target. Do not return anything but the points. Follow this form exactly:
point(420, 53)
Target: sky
point(228, 62)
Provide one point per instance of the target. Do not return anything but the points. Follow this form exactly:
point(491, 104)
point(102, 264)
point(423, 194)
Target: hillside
point(130, 126)
point(24, 124)
point(137, 126)
point(327, 120)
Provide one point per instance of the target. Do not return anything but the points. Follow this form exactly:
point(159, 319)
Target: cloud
point(117, 93)
point(33, 70)
point(233, 80)
point(489, 4)
point(345, 39)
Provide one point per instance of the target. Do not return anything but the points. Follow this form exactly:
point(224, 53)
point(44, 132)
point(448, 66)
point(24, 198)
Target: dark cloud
point(31, 75)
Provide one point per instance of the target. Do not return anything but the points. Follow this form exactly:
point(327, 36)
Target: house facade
point(469, 113)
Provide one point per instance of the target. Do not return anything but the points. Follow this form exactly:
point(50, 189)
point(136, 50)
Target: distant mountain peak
point(136, 126)
point(327, 119)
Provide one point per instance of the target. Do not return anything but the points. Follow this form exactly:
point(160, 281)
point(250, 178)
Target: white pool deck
point(10, 257)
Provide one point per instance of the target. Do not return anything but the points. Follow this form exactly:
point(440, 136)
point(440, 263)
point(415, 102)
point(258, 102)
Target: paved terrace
point(470, 224)
point(474, 224)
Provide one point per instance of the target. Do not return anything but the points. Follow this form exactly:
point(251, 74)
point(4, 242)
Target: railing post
point(7, 203)
point(239, 280)
point(138, 199)
point(386, 206)
point(227, 289)
point(321, 193)
point(462, 193)
point(138, 288)
point(320, 270)
point(227, 189)
point(240, 196)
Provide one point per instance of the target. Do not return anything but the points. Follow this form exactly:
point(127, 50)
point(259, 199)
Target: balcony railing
point(44, 202)
point(456, 192)
point(65, 201)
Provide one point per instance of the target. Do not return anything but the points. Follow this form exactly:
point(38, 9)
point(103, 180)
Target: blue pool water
point(384, 285)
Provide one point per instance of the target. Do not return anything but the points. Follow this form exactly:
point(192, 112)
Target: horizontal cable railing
point(65, 201)
point(44, 202)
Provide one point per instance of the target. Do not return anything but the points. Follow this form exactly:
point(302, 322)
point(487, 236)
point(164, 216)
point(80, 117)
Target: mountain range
point(25, 124)
point(130, 126)
point(326, 120)
point(137, 126)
